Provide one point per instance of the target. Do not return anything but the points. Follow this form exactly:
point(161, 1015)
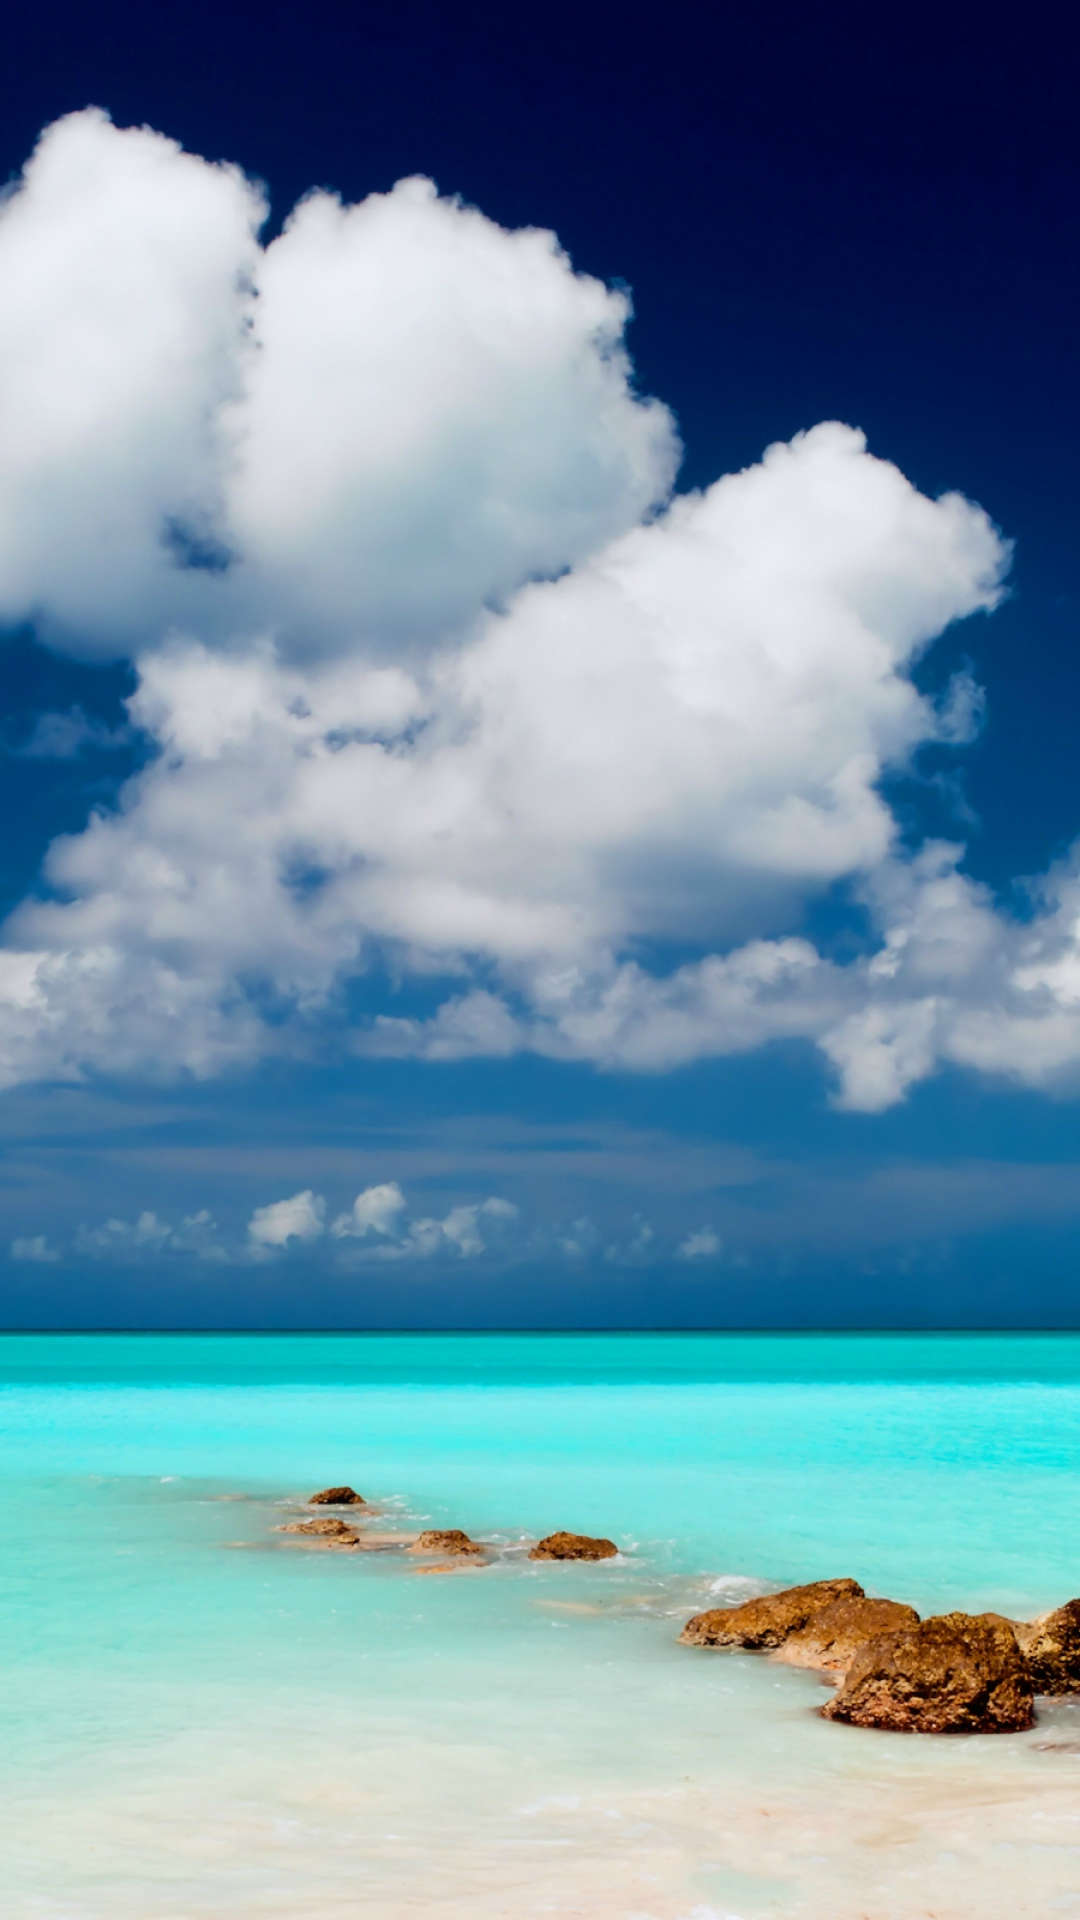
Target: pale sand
point(883, 1844)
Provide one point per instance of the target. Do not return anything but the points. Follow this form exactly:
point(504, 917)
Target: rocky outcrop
point(832, 1638)
point(769, 1620)
point(573, 1546)
point(337, 1497)
point(1051, 1647)
point(445, 1540)
point(956, 1673)
point(328, 1530)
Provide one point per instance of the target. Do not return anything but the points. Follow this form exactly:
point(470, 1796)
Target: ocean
point(201, 1718)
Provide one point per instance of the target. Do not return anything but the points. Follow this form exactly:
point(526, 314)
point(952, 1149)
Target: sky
point(537, 596)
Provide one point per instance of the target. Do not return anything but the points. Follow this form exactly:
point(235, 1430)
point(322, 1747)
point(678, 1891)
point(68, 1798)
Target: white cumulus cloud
point(123, 266)
point(298, 1218)
point(466, 1231)
point(376, 1210)
point(360, 435)
point(443, 680)
point(421, 1237)
point(669, 742)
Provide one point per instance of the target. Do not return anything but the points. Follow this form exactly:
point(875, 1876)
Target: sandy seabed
point(997, 1840)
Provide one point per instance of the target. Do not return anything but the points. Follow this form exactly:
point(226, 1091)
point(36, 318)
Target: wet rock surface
point(1051, 1647)
point(955, 1673)
point(445, 1540)
point(573, 1546)
point(832, 1638)
point(770, 1619)
point(328, 1530)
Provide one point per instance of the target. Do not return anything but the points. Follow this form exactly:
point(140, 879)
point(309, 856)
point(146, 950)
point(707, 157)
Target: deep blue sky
point(830, 213)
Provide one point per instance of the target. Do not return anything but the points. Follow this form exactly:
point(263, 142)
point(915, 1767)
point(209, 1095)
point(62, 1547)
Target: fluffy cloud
point(381, 1210)
point(466, 1231)
point(376, 1210)
point(461, 1226)
point(358, 436)
point(300, 1218)
point(123, 264)
point(148, 1232)
point(438, 682)
point(675, 739)
point(120, 1239)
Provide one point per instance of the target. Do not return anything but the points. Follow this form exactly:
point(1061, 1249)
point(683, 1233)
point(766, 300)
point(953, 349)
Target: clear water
point(199, 1718)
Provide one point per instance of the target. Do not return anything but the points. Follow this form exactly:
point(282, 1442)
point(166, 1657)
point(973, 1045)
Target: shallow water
point(204, 1718)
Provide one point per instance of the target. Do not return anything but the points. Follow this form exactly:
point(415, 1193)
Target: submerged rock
point(832, 1638)
point(327, 1529)
point(769, 1620)
point(955, 1673)
point(1051, 1647)
point(445, 1540)
point(573, 1546)
point(337, 1497)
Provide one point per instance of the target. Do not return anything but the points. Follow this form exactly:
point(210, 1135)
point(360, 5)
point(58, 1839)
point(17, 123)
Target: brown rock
point(573, 1546)
point(445, 1540)
point(337, 1497)
point(956, 1673)
point(769, 1620)
point(328, 1528)
point(1051, 1647)
point(831, 1638)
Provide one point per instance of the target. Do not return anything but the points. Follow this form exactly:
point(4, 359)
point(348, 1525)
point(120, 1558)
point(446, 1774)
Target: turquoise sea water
point(202, 1718)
